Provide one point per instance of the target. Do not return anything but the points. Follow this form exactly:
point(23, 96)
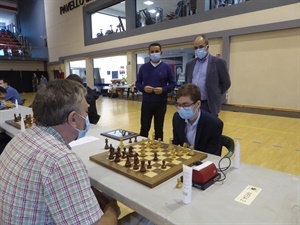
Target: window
point(109, 20)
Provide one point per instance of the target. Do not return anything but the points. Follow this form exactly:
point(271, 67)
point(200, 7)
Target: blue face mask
point(200, 53)
point(186, 113)
point(82, 133)
point(155, 57)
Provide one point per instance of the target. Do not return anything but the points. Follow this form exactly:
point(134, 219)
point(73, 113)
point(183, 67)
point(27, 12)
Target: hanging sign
point(72, 5)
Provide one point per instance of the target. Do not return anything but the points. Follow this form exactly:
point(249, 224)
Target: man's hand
point(148, 89)
point(158, 90)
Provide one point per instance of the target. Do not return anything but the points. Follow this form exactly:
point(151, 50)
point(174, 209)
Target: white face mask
point(200, 53)
point(82, 133)
point(186, 112)
point(155, 57)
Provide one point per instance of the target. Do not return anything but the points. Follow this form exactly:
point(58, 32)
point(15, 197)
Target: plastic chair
point(228, 143)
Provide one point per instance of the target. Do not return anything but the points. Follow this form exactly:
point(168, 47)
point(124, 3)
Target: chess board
point(17, 122)
point(156, 175)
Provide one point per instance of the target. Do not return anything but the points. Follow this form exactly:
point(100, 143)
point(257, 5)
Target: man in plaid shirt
point(41, 180)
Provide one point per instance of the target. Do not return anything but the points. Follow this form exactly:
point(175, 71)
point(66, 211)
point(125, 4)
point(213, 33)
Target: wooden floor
point(267, 141)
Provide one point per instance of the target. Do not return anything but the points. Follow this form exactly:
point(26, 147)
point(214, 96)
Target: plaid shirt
point(43, 182)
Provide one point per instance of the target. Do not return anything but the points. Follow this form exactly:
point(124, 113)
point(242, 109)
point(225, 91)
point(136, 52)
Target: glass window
point(109, 20)
point(151, 12)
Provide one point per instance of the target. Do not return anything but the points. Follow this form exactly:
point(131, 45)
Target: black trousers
point(150, 110)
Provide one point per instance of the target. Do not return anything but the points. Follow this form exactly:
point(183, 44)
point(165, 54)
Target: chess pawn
point(179, 183)
point(184, 148)
point(191, 152)
point(22, 124)
point(121, 143)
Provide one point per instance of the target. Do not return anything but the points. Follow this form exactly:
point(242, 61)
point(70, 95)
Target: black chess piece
point(143, 167)
point(128, 163)
point(149, 166)
point(135, 166)
point(106, 144)
point(155, 157)
point(163, 166)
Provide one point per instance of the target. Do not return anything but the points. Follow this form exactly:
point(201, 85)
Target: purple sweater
point(159, 76)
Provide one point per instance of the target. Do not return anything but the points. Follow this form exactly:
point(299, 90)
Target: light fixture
point(152, 11)
point(148, 2)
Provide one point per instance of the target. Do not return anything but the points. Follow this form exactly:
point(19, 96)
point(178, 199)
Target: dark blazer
point(91, 98)
point(208, 135)
point(217, 81)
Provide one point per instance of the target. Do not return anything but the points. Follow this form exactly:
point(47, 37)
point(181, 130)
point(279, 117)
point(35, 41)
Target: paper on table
point(83, 140)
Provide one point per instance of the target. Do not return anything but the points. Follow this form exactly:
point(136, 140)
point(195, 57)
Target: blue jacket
point(12, 94)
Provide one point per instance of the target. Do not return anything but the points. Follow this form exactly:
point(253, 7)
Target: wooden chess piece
point(135, 166)
point(159, 143)
point(106, 144)
point(191, 152)
point(179, 183)
point(163, 166)
point(117, 158)
point(130, 151)
point(184, 148)
point(143, 167)
point(121, 143)
point(136, 159)
point(128, 163)
point(155, 157)
point(149, 166)
point(179, 152)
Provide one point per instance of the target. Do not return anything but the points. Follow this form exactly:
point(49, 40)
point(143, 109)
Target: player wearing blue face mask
point(209, 73)
point(194, 126)
point(155, 79)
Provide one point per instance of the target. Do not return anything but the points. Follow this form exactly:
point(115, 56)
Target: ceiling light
point(152, 11)
point(148, 2)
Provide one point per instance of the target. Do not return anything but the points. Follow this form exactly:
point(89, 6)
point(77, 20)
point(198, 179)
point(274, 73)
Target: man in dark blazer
point(208, 72)
point(194, 126)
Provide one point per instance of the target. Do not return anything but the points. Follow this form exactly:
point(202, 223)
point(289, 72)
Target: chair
point(228, 143)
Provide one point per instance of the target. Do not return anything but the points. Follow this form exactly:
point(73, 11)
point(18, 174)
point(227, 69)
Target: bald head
point(201, 42)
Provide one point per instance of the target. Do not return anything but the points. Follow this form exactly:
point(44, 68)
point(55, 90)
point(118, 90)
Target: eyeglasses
point(184, 106)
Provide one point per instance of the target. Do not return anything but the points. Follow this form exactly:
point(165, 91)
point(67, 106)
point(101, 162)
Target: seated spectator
point(91, 98)
point(11, 93)
point(194, 126)
point(4, 104)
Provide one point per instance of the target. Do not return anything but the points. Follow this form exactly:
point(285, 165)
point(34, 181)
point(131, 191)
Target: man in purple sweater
point(155, 80)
